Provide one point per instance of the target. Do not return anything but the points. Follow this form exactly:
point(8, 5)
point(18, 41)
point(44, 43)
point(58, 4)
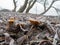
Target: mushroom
point(34, 21)
point(12, 29)
point(11, 20)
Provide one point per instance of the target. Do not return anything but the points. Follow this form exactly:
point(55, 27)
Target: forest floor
point(29, 29)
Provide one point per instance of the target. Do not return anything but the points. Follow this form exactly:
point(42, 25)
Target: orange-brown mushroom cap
point(11, 20)
point(34, 22)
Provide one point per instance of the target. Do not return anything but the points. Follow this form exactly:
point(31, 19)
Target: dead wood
point(30, 29)
point(50, 28)
point(45, 42)
point(21, 39)
point(50, 31)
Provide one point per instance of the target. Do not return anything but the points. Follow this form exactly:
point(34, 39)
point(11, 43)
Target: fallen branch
point(45, 42)
point(22, 39)
point(50, 28)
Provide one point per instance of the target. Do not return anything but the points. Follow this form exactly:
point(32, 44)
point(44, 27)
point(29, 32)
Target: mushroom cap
point(12, 19)
point(34, 21)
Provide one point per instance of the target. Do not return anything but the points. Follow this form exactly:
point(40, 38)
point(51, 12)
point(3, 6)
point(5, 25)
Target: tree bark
point(23, 7)
point(30, 6)
point(14, 2)
point(44, 5)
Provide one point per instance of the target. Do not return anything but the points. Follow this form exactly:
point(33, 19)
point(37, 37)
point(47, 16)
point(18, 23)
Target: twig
point(44, 5)
point(25, 37)
point(48, 8)
point(45, 42)
point(22, 28)
point(50, 28)
point(21, 39)
point(30, 31)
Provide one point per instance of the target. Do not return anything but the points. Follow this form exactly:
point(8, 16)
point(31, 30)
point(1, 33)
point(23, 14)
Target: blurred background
point(42, 7)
